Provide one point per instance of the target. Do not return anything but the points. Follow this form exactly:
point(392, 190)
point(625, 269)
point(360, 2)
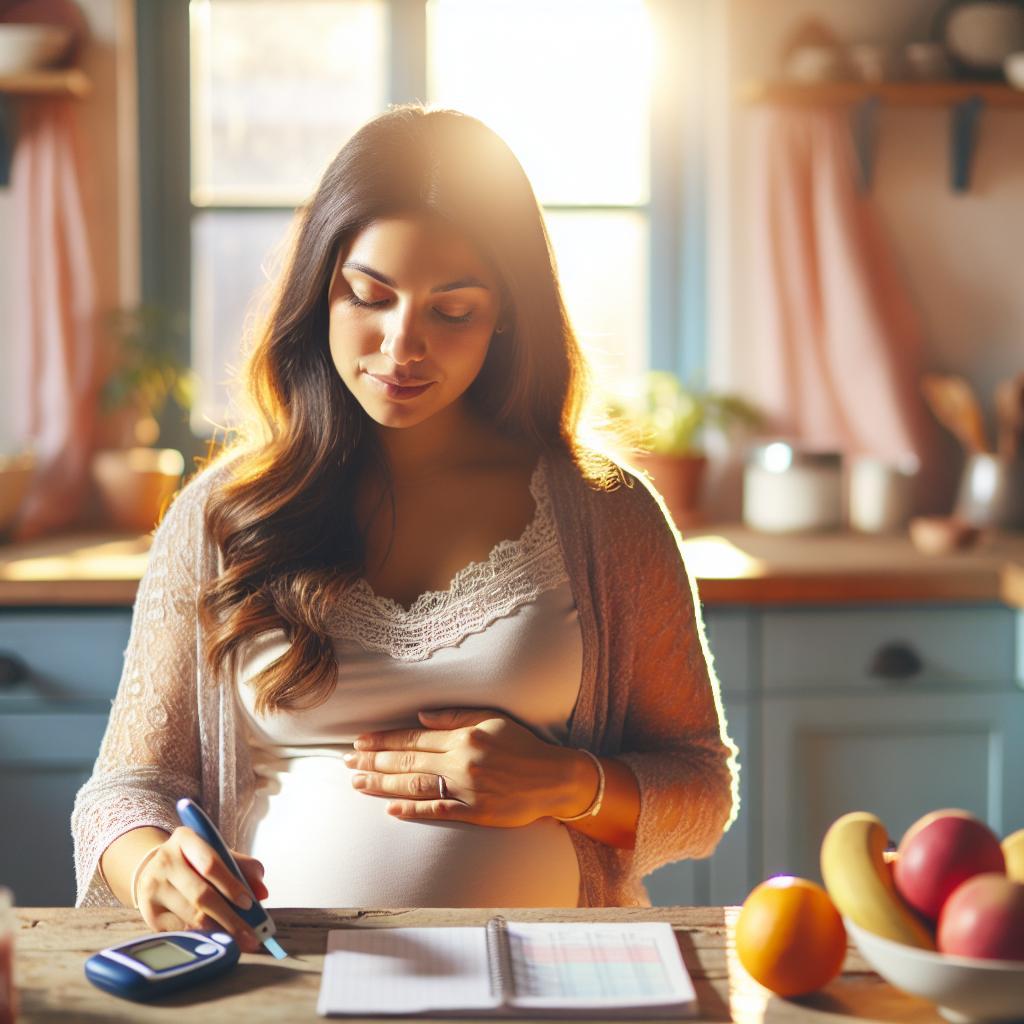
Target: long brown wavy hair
point(289, 541)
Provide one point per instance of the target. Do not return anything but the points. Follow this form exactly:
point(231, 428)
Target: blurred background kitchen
point(789, 236)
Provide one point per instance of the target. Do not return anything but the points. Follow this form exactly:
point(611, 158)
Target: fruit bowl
point(966, 990)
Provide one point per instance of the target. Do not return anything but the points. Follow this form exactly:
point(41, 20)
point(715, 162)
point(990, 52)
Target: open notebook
point(509, 969)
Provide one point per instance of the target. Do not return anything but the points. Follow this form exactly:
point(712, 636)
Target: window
point(262, 93)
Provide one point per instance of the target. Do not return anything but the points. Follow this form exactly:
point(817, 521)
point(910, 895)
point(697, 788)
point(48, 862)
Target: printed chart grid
point(617, 964)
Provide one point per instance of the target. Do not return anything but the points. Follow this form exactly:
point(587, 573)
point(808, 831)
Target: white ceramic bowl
point(31, 47)
point(1013, 66)
point(966, 990)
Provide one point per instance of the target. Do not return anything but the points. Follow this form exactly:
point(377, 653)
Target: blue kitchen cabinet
point(59, 670)
point(44, 759)
point(896, 755)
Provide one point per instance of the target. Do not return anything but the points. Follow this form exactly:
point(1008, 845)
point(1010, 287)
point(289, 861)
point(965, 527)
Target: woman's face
point(411, 301)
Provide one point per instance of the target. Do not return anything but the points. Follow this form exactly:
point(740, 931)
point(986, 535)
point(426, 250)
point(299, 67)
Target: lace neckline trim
point(515, 571)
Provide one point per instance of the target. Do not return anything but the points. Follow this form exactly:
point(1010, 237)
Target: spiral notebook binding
point(499, 959)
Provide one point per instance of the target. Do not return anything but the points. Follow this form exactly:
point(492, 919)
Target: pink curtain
point(58, 371)
point(838, 339)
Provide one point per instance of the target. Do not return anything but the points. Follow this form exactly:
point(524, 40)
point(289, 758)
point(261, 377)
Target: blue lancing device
point(192, 815)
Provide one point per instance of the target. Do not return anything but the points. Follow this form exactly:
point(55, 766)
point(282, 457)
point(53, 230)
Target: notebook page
point(373, 971)
point(603, 963)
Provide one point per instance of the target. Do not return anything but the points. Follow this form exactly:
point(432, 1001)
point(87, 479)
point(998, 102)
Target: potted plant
point(134, 478)
point(665, 421)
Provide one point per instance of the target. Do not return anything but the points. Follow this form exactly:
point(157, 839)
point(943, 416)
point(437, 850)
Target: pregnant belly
point(324, 844)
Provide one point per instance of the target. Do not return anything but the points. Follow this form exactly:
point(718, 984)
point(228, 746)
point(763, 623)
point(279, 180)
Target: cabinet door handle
point(13, 671)
point(896, 661)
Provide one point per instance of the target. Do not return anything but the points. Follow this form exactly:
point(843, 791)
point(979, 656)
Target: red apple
point(985, 918)
point(938, 853)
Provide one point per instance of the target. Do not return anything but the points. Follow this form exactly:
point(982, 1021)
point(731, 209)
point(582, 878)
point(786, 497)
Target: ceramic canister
point(787, 489)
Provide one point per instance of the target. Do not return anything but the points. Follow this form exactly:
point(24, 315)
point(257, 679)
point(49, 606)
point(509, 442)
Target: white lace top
point(480, 644)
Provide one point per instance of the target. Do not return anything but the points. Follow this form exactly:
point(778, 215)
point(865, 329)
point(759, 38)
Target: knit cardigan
point(648, 694)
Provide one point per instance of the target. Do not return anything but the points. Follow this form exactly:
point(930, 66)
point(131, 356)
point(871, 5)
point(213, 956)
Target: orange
point(789, 936)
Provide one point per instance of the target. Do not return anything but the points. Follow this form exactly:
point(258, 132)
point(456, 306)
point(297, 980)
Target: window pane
point(278, 87)
point(566, 85)
point(602, 264)
point(232, 255)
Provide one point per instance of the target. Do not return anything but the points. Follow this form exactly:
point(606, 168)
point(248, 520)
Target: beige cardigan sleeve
point(674, 734)
point(149, 756)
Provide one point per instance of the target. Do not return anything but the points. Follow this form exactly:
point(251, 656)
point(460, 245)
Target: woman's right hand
point(184, 884)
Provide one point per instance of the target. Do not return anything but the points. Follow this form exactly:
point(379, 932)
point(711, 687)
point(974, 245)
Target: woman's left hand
point(497, 772)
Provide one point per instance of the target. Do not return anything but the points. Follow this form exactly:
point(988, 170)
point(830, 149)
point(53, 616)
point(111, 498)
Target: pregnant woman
point(408, 639)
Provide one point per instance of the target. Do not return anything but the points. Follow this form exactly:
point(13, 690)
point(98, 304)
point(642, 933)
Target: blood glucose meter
point(156, 965)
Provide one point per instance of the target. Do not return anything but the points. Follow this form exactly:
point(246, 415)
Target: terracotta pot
point(134, 484)
point(680, 480)
point(16, 473)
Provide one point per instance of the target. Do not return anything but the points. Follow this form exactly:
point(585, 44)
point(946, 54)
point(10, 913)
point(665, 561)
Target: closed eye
point(465, 318)
point(354, 300)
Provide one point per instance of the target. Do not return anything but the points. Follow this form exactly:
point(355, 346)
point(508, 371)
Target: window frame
point(675, 211)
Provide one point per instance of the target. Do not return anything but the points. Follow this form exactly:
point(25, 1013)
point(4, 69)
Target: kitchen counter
point(733, 565)
point(53, 943)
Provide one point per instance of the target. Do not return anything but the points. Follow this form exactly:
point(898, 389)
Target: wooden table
point(54, 942)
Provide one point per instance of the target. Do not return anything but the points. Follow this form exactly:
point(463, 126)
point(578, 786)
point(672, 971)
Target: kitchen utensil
point(992, 491)
point(787, 489)
point(952, 400)
point(1010, 416)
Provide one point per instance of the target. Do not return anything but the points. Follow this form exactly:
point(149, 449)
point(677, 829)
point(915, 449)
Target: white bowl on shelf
point(965, 990)
point(25, 48)
point(1013, 67)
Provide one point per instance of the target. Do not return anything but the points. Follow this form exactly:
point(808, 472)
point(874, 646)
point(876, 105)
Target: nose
point(403, 342)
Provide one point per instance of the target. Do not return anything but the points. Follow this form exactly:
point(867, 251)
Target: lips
point(410, 387)
point(401, 382)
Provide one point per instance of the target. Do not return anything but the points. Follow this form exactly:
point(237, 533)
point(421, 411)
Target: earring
point(499, 330)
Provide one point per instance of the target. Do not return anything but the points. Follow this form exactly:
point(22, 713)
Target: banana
point(1013, 851)
point(860, 882)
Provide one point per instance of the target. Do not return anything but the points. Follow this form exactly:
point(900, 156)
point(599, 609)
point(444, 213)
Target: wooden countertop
point(733, 565)
point(53, 943)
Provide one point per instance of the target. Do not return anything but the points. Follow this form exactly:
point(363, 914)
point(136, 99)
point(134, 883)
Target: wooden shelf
point(63, 82)
point(897, 94)
point(965, 99)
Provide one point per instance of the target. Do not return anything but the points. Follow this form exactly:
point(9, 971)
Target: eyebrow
point(451, 286)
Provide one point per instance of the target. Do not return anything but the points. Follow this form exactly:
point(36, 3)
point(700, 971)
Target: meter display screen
point(159, 956)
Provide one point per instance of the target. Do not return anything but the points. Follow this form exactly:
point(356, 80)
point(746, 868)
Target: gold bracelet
point(138, 871)
point(595, 804)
